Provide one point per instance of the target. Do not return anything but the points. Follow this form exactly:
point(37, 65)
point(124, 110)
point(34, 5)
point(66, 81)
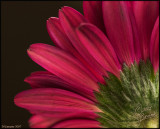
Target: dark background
point(22, 24)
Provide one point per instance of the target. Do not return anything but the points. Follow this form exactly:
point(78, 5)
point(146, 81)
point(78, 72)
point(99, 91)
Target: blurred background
point(22, 24)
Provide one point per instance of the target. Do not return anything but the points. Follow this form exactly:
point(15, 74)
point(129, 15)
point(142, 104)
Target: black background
point(22, 24)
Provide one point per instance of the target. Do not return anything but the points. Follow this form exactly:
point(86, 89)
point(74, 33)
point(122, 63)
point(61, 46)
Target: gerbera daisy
point(103, 70)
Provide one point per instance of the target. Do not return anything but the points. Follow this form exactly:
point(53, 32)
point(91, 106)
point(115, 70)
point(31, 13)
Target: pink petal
point(146, 13)
point(52, 100)
point(58, 36)
point(59, 62)
point(77, 123)
point(119, 29)
point(61, 114)
point(41, 72)
point(62, 65)
point(136, 38)
point(130, 4)
point(41, 121)
point(70, 19)
point(154, 46)
point(93, 13)
point(44, 79)
point(99, 47)
point(38, 121)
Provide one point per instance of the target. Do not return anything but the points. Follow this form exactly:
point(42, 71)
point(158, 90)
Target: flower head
point(103, 70)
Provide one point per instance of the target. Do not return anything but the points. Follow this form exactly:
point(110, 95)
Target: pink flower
point(87, 48)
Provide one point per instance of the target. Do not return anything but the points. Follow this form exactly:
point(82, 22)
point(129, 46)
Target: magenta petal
point(45, 79)
point(146, 13)
point(136, 38)
point(130, 4)
point(38, 121)
point(77, 123)
point(72, 15)
point(42, 121)
point(70, 19)
point(99, 47)
point(154, 46)
point(119, 29)
point(64, 66)
point(58, 36)
point(42, 79)
point(50, 100)
point(61, 64)
point(65, 114)
point(93, 13)
point(41, 72)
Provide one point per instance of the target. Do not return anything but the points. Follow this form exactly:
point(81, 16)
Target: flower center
point(131, 101)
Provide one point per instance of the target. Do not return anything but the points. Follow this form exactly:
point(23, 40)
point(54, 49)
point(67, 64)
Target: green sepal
point(126, 101)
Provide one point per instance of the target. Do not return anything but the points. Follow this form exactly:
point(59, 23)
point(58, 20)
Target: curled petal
point(146, 13)
point(93, 13)
point(154, 46)
point(119, 29)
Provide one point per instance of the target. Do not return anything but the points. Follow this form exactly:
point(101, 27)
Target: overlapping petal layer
point(99, 47)
point(45, 79)
point(93, 13)
point(78, 123)
point(136, 38)
point(40, 121)
point(119, 29)
point(58, 36)
point(62, 65)
point(154, 46)
point(62, 96)
point(53, 100)
point(146, 13)
point(70, 19)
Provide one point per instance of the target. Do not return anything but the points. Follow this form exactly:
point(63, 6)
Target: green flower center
point(131, 101)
